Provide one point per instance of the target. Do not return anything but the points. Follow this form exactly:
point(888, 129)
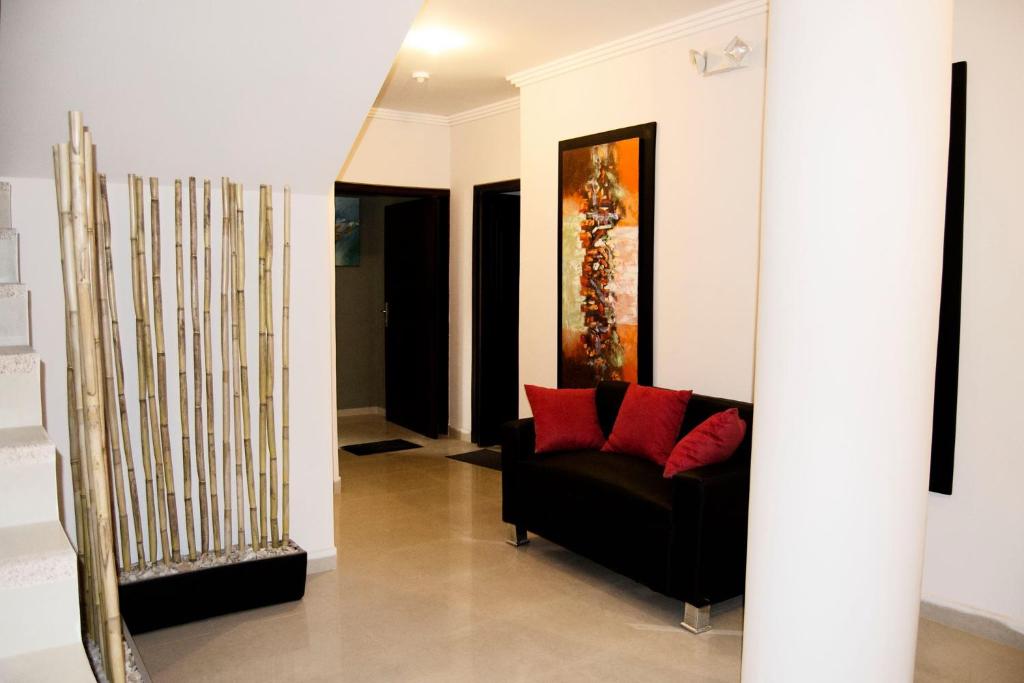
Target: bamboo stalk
point(261, 366)
point(161, 370)
point(76, 409)
point(115, 330)
point(225, 352)
point(186, 450)
point(243, 360)
point(107, 579)
point(211, 442)
point(286, 301)
point(197, 367)
point(163, 510)
point(61, 162)
point(154, 504)
point(236, 381)
point(91, 348)
point(110, 397)
point(269, 381)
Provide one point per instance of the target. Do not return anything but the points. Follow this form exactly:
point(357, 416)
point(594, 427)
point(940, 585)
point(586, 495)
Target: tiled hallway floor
point(427, 590)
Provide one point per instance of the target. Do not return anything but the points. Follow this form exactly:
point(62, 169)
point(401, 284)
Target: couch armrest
point(518, 439)
point(709, 531)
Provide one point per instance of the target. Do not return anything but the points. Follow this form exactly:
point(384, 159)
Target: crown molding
point(493, 109)
point(694, 23)
point(408, 116)
point(487, 110)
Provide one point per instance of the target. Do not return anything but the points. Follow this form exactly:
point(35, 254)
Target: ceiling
point(260, 90)
point(506, 36)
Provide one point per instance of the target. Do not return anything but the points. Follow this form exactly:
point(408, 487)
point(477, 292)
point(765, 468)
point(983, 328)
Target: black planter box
point(151, 604)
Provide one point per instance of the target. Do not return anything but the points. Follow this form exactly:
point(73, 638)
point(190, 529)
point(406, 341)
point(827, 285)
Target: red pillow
point(564, 419)
point(648, 422)
point(713, 440)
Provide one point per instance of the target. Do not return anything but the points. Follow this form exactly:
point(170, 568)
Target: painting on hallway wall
point(605, 256)
point(346, 231)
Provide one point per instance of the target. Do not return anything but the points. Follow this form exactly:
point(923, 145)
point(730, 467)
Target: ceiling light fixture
point(421, 76)
point(435, 39)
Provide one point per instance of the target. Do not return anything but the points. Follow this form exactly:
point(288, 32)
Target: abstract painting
point(346, 231)
point(605, 253)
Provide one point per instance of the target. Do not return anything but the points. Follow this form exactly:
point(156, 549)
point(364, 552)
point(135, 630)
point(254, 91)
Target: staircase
point(40, 628)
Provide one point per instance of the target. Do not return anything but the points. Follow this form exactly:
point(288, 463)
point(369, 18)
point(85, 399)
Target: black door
point(416, 320)
point(495, 311)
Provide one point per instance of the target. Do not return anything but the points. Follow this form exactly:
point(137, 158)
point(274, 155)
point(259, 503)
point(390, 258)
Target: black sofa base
point(151, 604)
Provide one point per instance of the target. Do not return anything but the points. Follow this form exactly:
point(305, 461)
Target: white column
point(856, 140)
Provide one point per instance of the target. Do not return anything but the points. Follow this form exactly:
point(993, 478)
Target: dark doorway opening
point(495, 390)
point(412, 305)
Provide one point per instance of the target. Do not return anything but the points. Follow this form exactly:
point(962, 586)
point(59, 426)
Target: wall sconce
point(733, 56)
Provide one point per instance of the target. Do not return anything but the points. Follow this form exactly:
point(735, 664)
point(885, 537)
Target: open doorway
point(495, 391)
point(391, 302)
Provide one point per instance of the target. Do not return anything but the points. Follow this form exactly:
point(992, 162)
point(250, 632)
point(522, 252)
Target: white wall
point(483, 151)
point(707, 203)
point(401, 153)
point(975, 546)
point(35, 217)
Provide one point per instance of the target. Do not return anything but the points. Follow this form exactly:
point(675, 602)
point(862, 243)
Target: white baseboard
point(366, 410)
point(978, 622)
point(322, 560)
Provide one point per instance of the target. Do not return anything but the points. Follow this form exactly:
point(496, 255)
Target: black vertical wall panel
point(947, 366)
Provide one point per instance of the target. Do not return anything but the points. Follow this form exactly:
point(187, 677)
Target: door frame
point(476, 392)
point(441, 302)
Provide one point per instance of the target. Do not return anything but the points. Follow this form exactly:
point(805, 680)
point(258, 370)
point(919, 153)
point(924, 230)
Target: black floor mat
point(484, 458)
point(374, 447)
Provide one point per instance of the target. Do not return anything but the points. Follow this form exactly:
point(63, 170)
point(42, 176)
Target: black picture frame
point(646, 133)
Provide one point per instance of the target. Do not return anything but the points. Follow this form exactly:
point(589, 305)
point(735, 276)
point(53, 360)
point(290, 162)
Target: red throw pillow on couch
point(713, 440)
point(564, 419)
point(648, 422)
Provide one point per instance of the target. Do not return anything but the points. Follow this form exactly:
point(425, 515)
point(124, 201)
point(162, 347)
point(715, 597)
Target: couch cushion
point(609, 398)
point(610, 478)
point(648, 422)
point(702, 407)
point(713, 440)
point(564, 419)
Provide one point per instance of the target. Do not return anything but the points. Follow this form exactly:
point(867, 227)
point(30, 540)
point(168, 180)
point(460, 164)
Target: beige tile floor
point(426, 590)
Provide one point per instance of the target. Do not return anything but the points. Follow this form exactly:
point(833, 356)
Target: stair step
point(9, 270)
point(39, 588)
point(14, 325)
point(28, 476)
point(66, 663)
point(20, 390)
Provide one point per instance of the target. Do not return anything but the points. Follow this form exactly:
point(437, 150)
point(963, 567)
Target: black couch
point(685, 537)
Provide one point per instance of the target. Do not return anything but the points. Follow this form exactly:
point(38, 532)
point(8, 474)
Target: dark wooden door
point(496, 315)
point(415, 335)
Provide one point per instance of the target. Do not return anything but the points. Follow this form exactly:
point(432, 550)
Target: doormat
point(484, 458)
point(375, 447)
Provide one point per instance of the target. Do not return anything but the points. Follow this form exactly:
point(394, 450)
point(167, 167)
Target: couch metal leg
point(516, 535)
point(696, 619)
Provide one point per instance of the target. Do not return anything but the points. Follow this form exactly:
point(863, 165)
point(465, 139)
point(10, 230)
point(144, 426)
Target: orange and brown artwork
point(600, 192)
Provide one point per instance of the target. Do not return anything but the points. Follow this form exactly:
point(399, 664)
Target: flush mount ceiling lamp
point(435, 40)
point(732, 58)
point(421, 76)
